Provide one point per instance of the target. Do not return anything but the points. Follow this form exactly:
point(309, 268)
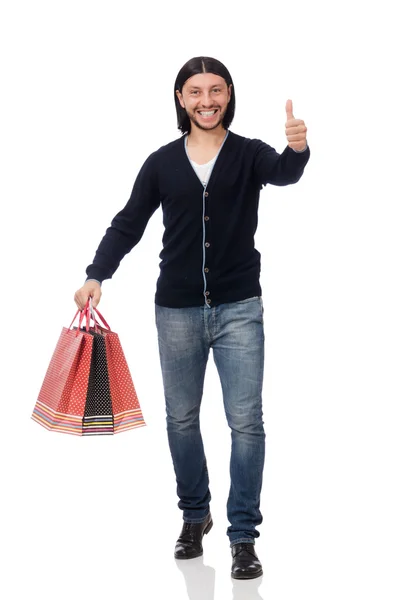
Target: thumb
point(288, 108)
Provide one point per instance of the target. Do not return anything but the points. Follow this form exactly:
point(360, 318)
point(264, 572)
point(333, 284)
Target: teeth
point(207, 113)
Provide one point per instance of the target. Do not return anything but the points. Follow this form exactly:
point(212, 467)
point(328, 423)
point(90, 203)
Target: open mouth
point(207, 114)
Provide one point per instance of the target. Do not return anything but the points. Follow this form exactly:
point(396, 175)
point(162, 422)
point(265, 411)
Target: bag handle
point(83, 313)
point(89, 312)
point(94, 312)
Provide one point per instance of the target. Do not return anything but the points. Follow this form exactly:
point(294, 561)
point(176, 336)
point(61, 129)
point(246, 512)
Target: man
point(208, 292)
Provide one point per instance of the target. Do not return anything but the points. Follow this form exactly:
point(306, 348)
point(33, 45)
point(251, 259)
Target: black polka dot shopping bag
point(88, 388)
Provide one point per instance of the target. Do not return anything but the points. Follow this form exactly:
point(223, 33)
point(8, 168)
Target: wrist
point(96, 280)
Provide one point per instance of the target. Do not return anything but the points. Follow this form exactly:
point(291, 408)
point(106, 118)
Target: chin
point(208, 127)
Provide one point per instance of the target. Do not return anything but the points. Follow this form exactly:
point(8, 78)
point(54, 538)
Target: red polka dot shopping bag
point(88, 388)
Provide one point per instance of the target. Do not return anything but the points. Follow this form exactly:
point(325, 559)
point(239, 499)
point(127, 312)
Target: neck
point(201, 137)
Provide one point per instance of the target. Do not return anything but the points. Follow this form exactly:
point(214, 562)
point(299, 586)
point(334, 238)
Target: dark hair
point(202, 64)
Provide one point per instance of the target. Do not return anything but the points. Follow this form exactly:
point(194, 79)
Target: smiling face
point(205, 97)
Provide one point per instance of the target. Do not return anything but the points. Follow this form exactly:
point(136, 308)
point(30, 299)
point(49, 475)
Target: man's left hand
point(295, 130)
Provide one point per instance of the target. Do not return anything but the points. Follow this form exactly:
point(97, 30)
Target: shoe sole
point(206, 530)
point(247, 576)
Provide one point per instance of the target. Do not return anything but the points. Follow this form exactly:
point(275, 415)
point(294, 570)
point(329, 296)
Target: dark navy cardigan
point(208, 253)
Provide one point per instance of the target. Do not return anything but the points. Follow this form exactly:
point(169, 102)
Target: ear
point(179, 95)
point(230, 92)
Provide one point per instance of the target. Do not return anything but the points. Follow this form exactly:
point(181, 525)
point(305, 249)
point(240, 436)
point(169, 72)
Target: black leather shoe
point(189, 544)
point(245, 564)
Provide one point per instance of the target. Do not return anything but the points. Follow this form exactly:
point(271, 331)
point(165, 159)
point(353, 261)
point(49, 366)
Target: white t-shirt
point(203, 170)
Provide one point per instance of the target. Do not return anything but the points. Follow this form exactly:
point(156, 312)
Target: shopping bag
point(127, 413)
point(62, 399)
point(98, 413)
point(88, 388)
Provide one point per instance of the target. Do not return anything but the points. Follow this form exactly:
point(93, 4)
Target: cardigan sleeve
point(278, 169)
point(128, 226)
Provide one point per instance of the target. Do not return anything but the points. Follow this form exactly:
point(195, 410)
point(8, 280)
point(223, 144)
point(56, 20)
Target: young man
point(208, 292)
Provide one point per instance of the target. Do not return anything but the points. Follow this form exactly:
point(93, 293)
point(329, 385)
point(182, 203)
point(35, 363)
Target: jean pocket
point(249, 300)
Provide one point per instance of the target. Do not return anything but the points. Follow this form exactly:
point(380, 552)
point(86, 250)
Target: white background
point(86, 95)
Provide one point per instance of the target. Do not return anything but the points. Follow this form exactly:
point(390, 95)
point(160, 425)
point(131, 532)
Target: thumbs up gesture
point(295, 130)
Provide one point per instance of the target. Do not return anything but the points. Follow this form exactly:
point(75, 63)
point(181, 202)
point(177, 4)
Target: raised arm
point(286, 168)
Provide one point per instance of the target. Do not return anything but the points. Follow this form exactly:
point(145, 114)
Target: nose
point(206, 100)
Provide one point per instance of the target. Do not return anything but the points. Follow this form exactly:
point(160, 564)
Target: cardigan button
point(207, 244)
point(206, 270)
point(206, 194)
point(207, 293)
point(206, 218)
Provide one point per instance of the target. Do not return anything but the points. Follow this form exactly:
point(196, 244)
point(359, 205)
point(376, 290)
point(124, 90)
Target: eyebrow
point(196, 87)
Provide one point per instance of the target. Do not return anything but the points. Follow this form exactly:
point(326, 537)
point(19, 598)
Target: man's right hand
point(91, 289)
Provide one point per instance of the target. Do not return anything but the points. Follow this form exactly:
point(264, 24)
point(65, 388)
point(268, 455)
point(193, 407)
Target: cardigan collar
point(219, 159)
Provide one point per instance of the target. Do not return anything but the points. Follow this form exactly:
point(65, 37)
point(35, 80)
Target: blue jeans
point(235, 333)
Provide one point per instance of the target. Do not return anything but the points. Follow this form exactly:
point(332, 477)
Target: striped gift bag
point(88, 388)
point(98, 412)
point(61, 402)
point(127, 413)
